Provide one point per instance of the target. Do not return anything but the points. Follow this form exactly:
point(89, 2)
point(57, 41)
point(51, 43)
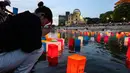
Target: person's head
point(4, 3)
point(45, 15)
point(40, 4)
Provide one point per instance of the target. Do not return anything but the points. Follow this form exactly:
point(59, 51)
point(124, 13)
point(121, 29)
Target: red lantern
point(52, 54)
point(105, 39)
point(128, 63)
point(128, 53)
point(71, 44)
point(85, 33)
point(76, 64)
point(81, 33)
point(128, 42)
point(98, 38)
point(112, 34)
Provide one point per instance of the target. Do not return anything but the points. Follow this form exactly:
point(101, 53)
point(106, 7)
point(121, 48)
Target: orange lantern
point(52, 54)
point(76, 64)
point(71, 44)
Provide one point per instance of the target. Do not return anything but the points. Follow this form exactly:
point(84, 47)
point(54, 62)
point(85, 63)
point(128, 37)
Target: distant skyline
point(88, 8)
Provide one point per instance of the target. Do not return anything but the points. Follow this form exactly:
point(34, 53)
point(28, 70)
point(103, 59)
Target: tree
point(122, 12)
point(106, 17)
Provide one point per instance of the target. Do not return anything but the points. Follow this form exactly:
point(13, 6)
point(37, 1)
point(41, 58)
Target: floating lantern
point(61, 40)
point(92, 39)
point(55, 43)
point(128, 63)
point(106, 39)
point(58, 35)
point(44, 47)
point(81, 38)
point(52, 54)
point(85, 33)
point(126, 41)
point(76, 64)
point(85, 39)
point(81, 33)
point(71, 44)
point(43, 38)
point(98, 39)
point(77, 45)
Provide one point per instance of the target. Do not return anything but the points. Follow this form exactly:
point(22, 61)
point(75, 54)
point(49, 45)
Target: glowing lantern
point(77, 45)
point(92, 39)
point(128, 53)
point(71, 44)
point(81, 38)
point(56, 43)
point(76, 64)
point(52, 54)
point(126, 41)
point(112, 34)
point(81, 33)
point(85, 33)
point(85, 39)
point(128, 63)
point(105, 39)
point(62, 43)
point(43, 38)
point(98, 39)
point(58, 35)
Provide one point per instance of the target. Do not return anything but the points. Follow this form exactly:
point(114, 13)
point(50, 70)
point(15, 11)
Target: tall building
point(122, 1)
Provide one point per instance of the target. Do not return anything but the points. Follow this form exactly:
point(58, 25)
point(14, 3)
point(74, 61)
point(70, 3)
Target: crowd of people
point(20, 37)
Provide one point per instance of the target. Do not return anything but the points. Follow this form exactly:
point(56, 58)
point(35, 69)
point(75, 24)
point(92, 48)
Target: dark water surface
point(99, 60)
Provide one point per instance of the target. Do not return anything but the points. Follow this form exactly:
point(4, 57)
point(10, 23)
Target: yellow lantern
point(76, 64)
point(81, 38)
point(58, 35)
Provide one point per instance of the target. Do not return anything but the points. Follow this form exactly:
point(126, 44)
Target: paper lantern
point(58, 35)
point(126, 41)
point(77, 45)
point(71, 44)
point(43, 38)
point(81, 33)
point(56, 43)
point(85, 40)
point(61, 40)
point(92, 39)
point(76, 64)
point(81, 38)
point(98, 39)
point(44, 46)
point(128, 63)
point(106, 39)
point(128, 53)
point(52, 54)
point(85, 33)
